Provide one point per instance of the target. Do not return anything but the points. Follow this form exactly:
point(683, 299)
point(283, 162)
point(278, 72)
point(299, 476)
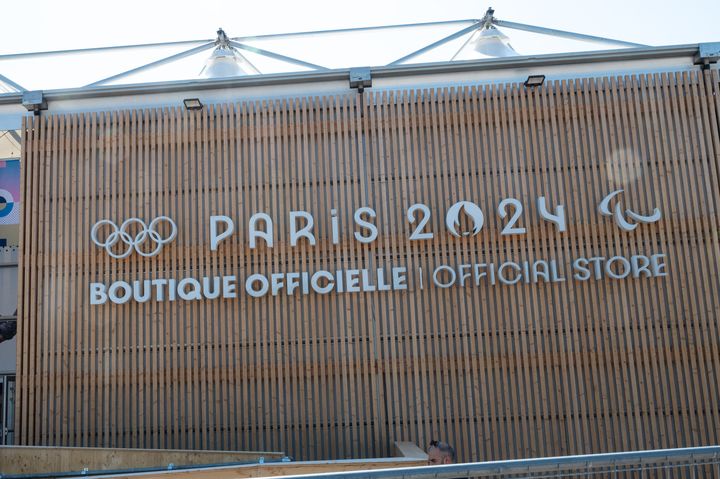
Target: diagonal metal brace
point(276, 56)
point(438, 43)
point(154, 64)
point(563, 34)
point(11, 83)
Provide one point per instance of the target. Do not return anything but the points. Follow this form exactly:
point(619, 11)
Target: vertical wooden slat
point(660, 149)
point(536, 347)
point(25, 374)
point(690, 298)
point(675, 299)
point(28, 248)
point(323, 331)
point(50, 328)
point(466, 326)
point(140, 337)
point(143, 337)
point(556, 193)
point(76, 347)
point(366, 371)
point(109, 159)
point(198, 169)
point(60, 198)
point(155, 205)
point(225, 368)
point(187, 431)
point(708, 90)
point(702, 180)
point(296, 367)
point(622, 329)
point(491, 401)
point(171, 166)
point(585, 438)
point(86, 363)
point(129, 385)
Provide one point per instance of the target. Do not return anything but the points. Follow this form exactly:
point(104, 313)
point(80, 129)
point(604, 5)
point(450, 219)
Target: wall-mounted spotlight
point(534, 80)
point(193, 104)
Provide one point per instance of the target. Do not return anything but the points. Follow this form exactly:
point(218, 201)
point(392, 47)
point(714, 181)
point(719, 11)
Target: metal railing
point(695, 462)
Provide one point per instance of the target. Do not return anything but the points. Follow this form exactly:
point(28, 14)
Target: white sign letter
point(305, 231)
point(558, 218)
point(256, 278)
point(214, 237)
point(228, 284)
point(97, 293)
point(127, 292)
point(364, 224)
point(267, 235)
point(510, 228)
point(417, 234)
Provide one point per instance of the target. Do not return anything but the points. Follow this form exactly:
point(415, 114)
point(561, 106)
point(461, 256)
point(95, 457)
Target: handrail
point(693, 456)
point(560, 465)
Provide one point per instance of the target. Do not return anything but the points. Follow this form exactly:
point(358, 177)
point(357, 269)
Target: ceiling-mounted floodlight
point(193, 104)
point(486, 40)
point(492, 42)
point(534, 80)
point(226, 61)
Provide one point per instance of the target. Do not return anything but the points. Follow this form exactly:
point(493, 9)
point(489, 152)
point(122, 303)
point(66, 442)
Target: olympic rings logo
point(136, 241)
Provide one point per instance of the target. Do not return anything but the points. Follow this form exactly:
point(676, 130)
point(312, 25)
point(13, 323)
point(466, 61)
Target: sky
point(55, 25)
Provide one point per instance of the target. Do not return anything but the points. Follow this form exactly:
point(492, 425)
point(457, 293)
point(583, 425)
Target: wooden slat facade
point(500, 371)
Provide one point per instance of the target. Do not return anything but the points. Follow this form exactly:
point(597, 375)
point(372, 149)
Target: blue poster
point(9, 202)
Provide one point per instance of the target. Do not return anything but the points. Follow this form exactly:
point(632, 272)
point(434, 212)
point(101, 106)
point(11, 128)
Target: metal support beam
point(11, 83)
point(461, 48)
point(277, 56)
point(442, 41)
point(351, 30)
point(154, 64)
point(563, 34)
point(16, 56)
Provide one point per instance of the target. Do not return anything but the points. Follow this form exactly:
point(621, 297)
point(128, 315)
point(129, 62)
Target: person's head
point(440, 453)
point(7, 330)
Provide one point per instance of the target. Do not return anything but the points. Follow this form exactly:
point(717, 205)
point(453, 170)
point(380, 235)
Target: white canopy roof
point(456, 40)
